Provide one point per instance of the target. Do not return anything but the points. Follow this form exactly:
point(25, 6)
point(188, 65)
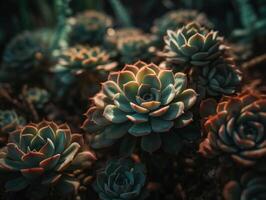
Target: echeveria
point(251, 186)
point(121, 180)
point(237, 129)
point(141, 101)
point(41, 154)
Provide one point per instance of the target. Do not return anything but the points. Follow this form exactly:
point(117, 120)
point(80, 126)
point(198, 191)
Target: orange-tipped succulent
point(140, 101)
point(237, 129)
point(43, 154)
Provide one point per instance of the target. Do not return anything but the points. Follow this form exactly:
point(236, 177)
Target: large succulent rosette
point(42, 154)
point(192, 45)
point(237, 129)
point(251, 186)
point(217, 79)
point(176, 19)
point(89, 27)
point(140, 101)
point(121, 180)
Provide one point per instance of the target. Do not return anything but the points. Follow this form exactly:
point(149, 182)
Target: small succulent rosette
point(83, 65)
point(136, 47)
point(236, 129)
point(121, 180)
point(192, 46)
point(41, 156)
point(89, 27)
point(217, 79)
point(22, 54)
point(9, 121)
point(37, 96)
point(176, 19)
point(142, 101)
point(252, 185)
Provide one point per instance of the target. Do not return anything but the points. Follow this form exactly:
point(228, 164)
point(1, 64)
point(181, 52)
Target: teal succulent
point(218, 78)
point(252, 185)
point(176, 19)
point(22, 54)
point(9, 121)
point(43, 154)
point(140, 101)
point(37, 96)
point(135, 47)
point(121, 180)
point(89, 27)
point(192, 45)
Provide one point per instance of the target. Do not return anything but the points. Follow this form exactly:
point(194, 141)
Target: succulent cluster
point(176, 19)
point(237, 129)
point(89, 27)
point(42, 154)
point(121, 180)
point(142, 101)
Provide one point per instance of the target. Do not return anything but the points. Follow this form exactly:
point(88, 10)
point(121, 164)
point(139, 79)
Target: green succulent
point(9, 121)
point(176, 19)
point(37, 96)
point(251, 186)
point(135, 47)
point(192, 45)
point(218, 78)
point(89, 27)
point(121, 180)
point(81, 66)
point(140, 101)
point(43, 154)
point(22, 54)
point(235, 129)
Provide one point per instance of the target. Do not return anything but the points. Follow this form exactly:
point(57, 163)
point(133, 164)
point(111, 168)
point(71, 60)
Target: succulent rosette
point(252, 185)
point(22, 54)
point(176, 19)
point(42, 154)
point(121, 180)
point(218, 79)
point(140, 101)
point(9, 121)
point(135, 47)
point(89, 27)
point(37, 96)
point(237, 129)
point(192, 45)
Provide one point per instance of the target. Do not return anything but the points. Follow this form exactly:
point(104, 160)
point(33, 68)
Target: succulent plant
point(114, 35)
point(89, 27)
point(140, 101)
point(121, 180)
point(192, 45)
point(252, 185)
point(43, 154)
point(79, 59)
point(135, 47)
point(176, 19)
point(37, 96)
point(82, 66)
point(218, 78)
point(9, 121)
point(236, 129)
point(22, 54)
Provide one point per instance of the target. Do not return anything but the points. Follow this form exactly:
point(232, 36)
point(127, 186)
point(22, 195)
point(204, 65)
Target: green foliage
point(121, 13)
